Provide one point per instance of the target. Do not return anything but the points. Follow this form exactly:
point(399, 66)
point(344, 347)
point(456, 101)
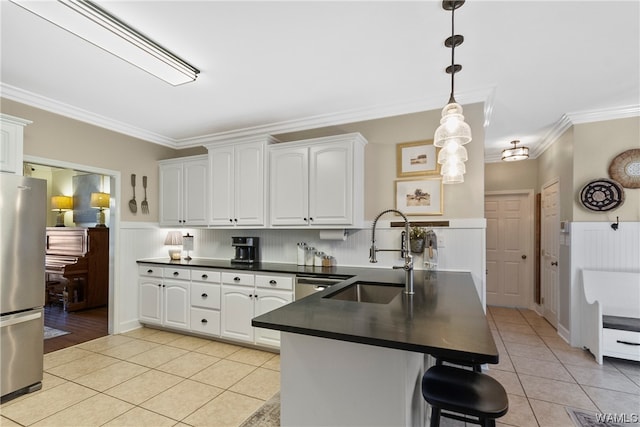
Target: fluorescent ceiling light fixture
point(90, 22)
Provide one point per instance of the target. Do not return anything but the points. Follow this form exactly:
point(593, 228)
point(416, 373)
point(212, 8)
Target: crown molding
point(34, 100)
point(605, 114)
point(331, 119)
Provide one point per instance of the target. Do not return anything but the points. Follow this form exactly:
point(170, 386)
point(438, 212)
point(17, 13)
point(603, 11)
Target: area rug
point(267, 416)
point(53, 332)
point(588, 419)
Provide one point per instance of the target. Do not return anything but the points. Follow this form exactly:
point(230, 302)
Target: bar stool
point(465, 392)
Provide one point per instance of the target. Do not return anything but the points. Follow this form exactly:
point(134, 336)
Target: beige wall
point(557, 163)
point(596, 145)
point(56, 137)
point(504, 176)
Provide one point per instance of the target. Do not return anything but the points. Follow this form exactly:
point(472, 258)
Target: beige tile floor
point(157, 378)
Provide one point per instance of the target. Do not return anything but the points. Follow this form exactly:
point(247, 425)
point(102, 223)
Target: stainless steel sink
point(376, 293)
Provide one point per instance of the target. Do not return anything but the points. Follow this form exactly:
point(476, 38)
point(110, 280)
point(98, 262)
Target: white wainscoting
point(462, 248)
point(596, 246)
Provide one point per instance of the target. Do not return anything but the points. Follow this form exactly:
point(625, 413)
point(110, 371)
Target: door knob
point(524, 257)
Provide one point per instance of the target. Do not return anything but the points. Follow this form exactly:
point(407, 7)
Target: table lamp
point(61, 204)
point(173, 239)
point(100, 201)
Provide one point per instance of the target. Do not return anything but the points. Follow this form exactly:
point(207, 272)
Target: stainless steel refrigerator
point(22, 283)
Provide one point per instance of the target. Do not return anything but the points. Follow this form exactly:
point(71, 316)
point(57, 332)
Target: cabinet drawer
point(238, 279)
point(274, 282)
point(205, 276)
point(149, 271)
point(622, 344)
point(205, 321)
point(177, 273)
point(205, 295)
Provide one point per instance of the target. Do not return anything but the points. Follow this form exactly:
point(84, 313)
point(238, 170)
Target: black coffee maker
point(247, 249)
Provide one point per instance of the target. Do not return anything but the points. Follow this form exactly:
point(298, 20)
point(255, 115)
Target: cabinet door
point(10, 143)
point(265, 301)
point(150, 305)
point(331, 184)
point(195, 191)
point(237, 312)
point(176, 304)
point(249, 184)
point(289, 186)
point(221, 200)
point(170, 194)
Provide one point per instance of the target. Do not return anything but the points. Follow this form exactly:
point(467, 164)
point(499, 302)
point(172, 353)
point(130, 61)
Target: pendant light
point(453, 132)
point(515, 153)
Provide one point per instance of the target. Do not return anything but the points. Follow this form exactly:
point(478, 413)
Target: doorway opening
point(84, 324)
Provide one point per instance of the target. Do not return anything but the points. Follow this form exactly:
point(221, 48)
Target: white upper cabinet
point(318, 182)
point(184, 191)
point(237, 196)
point(11, 143)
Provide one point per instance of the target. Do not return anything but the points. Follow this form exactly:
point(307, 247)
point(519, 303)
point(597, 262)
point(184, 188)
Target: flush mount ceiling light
point(90, 22)
point(515, 153)
point(453, 132)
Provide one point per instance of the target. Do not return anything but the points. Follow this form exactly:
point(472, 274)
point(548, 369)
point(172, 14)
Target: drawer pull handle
point(204, 295)
point(205, 277)
point(176, 274)
point(149, 271)
point(236, 279)
point(204, 321)
point(273, 282)
point(627, 342)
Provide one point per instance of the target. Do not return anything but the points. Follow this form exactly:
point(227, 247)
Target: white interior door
point(509, 260)
point(550, 246)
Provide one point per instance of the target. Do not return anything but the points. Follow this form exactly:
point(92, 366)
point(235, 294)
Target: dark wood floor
point(83, 326)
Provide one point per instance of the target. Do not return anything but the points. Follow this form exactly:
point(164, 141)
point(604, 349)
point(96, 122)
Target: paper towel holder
point(340, 234)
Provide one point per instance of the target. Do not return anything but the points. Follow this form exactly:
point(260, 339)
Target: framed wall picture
point(420, 197)
point(417, 159)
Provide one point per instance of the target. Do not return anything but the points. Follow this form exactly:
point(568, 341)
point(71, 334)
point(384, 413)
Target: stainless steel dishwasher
point(308, 284)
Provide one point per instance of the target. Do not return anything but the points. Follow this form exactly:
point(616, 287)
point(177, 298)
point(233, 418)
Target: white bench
point(610, 314)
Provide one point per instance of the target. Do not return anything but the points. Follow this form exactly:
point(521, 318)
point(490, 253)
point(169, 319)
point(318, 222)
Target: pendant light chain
point(453, 52)
point(453, 133)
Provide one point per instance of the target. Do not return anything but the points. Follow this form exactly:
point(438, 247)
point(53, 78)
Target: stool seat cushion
point(465, 392)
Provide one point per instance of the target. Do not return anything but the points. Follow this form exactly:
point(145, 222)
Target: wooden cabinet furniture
point(212, 303)
point(317, 182)
point(184, 191)
point(11, 143)
point(238, 184)
point(78, 259)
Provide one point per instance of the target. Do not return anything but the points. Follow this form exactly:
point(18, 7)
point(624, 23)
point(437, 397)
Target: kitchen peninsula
point(345, 362)
point(355, 363)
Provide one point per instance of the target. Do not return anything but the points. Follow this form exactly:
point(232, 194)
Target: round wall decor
point(602, 195)
point(625, 168)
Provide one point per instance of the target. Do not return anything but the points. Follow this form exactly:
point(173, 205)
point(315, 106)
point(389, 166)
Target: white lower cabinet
point(213, 303)
point(267, 300)
point(237, 312)
point(205, 302)
point(245, 299)
point(164, 301)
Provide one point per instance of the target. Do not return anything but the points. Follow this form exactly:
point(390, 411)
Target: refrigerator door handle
point(19, 318)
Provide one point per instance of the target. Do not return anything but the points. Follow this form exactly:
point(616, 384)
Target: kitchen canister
point(301, 253)
point(317, 260)
point(309, 254)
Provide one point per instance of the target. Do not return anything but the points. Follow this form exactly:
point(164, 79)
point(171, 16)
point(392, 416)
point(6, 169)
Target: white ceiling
point(286, 66)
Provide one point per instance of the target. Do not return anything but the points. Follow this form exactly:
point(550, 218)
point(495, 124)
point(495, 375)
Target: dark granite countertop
point(444, 318)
